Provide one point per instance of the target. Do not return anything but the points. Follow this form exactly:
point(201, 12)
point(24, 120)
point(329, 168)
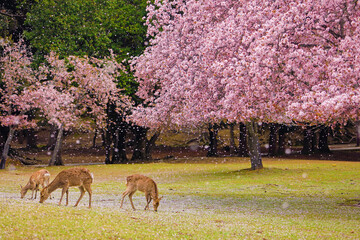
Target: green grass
point(289, 199)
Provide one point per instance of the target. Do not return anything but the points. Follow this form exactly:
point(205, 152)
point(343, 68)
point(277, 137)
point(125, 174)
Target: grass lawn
point(217, 199)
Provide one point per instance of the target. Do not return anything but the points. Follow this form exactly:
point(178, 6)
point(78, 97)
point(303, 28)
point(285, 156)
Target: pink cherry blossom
point(16, 76)
point(280, 61)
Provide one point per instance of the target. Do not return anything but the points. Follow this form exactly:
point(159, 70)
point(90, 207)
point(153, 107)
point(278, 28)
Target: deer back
point(40, 176)
point(141, 183)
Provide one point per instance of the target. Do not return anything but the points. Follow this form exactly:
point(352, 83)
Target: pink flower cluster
point(270, 60)
point(68, 92)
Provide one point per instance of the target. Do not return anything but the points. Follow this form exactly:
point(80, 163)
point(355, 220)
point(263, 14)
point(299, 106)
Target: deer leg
point(88, 189)
point(130, 197)
point(64, 190)
point(67, 196)
point(123, 196)
point(148, 200)
point(32, 194)
point(82, 192)
point(36, 190)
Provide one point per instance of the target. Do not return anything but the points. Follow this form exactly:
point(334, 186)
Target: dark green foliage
point(89, 27)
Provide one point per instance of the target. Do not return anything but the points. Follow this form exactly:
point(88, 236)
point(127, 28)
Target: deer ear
point(160, 198)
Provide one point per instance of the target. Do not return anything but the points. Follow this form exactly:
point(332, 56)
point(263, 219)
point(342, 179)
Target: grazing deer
point(72, 177)
point(38, 178)
point(143, 184)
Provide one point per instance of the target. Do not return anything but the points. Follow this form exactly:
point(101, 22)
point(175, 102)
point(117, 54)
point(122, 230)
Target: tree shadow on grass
point(350, 203)
point(263, 171)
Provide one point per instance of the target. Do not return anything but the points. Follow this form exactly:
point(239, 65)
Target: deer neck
point(28, 186)
point(52, 186)
point(154, 193)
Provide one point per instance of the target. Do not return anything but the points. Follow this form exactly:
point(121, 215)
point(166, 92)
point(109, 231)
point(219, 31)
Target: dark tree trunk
point(281, 144)
point(116, 151)
point(323, 145)
point(232, 140)
point(150, 144)
point(58, 160)
point(274, 129)
point(52, 138)
point(254, 146)
point(139, 152)
point(115, 137)
point(308, 142)
point(119, 138)
point(107, 143)
point(103, 134)
point(242, 150)
point(314, 142)
point(213, 132)
point(6, 148)
point(4, 132)
point(56, 156)
point(107, 135)
point(31, 139)
point(94, 138)
point(20, 136)
point(358, 133)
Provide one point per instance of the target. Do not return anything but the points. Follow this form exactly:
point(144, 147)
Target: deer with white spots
point(143, 184)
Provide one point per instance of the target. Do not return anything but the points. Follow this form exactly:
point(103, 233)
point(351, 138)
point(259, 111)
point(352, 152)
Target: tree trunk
point(107, 143)
point(52, 139)
point(254, 146)
point(150, 144)
point(20, 136)
point(119, 138)
point(314, 148)
point(4, 132)
point(242, 150)
point(103, 137)
point(107, 140)
point(94, 138)
point(308, 145)
point(358, 133)
point(232, 140)
point(6, 148)
point(281, 144)
point(31, 139)
point(140, 143)
point(323, 145)
point(274, 129)
point(58, 160)
point(56, 156)
point(213, 132)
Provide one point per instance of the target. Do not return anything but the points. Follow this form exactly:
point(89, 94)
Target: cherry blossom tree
point(202, 69)
point(319, 55)
point(90, 85)
point(16, 76)
point(324, 60)
point(24, 89)
point(280, 61)
point(72, 92)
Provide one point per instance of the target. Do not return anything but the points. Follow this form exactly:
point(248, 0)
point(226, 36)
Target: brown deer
point(72, 177)
point(143, 184)
point(38, 178)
